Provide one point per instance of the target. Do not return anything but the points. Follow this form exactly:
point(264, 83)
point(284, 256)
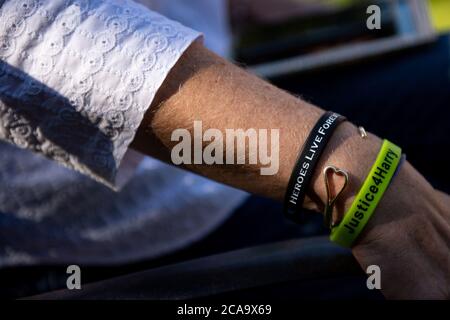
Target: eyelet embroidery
point(14, 25)
point(123, 100)
point(7, 46)
point(99, 71)
point(93, 62)
point(156, 43)
point(117, 24)
point(105, 42)
point(115, 119)
point(144, 60)
point(54, 45)
point(127, 11)
point(82, 84)
point(43, 65)
point(26, 8)
point(76, 101)
point(83, 5)
point(167, 30)
point(133, 80)
point(21, 133)
point(110, 132)
point(66, 24)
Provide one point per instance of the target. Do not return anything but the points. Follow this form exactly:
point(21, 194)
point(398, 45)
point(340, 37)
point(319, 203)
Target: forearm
point(410, 226)
point(206, 88)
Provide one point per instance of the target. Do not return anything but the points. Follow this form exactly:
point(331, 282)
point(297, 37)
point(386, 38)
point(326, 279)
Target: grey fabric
point(50, 214)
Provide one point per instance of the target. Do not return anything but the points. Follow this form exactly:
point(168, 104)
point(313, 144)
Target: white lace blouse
point(76, 77)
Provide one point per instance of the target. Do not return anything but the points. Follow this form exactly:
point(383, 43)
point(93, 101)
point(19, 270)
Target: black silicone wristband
point(307, 162)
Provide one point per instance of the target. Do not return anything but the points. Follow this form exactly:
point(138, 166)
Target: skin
point(409, 234)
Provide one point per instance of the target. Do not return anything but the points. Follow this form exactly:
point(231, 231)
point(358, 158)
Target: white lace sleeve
point(76, 77)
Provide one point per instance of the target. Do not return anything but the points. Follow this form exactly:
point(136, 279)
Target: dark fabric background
point(404, 97)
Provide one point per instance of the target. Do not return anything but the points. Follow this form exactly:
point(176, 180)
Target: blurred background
point(393, 80)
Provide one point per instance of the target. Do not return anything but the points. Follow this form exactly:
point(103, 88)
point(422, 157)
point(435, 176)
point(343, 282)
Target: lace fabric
point(77, 76)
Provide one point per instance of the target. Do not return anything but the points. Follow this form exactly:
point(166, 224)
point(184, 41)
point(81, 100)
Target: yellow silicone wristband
point(368, 196)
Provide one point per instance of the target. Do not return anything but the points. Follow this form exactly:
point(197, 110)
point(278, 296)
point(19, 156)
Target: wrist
point(408, 238)
point(351, 153)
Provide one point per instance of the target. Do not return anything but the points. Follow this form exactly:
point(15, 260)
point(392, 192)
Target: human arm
point(408, 237)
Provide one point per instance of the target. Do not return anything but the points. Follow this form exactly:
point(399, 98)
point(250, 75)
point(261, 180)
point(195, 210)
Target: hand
point(408, 237)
